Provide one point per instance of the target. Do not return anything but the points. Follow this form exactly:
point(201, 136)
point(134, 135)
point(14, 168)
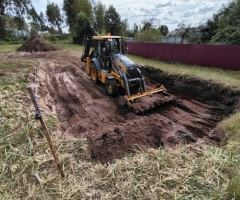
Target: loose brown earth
point(37, 43)
point(86, 111)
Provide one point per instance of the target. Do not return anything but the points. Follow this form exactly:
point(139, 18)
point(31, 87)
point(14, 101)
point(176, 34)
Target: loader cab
point(105, 47)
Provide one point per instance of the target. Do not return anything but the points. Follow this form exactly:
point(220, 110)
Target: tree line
point(21, 15)
point(222, 28)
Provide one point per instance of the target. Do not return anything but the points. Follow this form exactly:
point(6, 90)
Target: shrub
point(7, 39)
point(52, 38)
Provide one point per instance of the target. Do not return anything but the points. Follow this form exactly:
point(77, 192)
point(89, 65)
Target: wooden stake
point(38, 116)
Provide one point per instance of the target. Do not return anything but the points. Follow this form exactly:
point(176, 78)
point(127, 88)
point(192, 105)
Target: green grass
point(28, 171)
point(69, 46)
point(14, 67)
point(226, 78)
point(5, 48)
point(231, 128)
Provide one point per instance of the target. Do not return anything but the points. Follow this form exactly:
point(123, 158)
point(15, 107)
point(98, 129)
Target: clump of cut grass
point(230, 126)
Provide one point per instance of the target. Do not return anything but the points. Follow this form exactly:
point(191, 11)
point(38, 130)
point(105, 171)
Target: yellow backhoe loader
point(107, 64)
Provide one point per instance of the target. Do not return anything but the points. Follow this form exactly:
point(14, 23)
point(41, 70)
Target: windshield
point(112, 45)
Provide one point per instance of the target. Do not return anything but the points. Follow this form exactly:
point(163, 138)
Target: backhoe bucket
point(143, 102)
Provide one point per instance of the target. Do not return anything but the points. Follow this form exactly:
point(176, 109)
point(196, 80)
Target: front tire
point(94, 73)
point(111, 87)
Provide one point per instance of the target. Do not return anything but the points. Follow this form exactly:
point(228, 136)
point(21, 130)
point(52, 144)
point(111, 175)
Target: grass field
point(28, 171)
point(227, 78)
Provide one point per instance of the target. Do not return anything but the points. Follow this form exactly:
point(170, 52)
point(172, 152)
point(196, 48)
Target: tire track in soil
point(85, 110)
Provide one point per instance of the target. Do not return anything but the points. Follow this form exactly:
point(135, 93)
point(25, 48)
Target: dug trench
point(86, 111)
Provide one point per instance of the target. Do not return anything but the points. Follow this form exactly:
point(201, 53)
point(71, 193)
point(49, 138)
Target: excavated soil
point(86, 111)
point(37, 43)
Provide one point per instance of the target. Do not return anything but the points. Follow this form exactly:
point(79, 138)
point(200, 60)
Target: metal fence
point(220, 56)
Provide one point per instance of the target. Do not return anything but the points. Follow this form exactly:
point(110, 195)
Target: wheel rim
point(109, 87)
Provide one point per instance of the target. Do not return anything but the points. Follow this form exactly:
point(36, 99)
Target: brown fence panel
point(167, 51)
point(203, 55)
point(229, 57)
point(209, 56)
point(137, 48)
point(154, 51)
point(180, 53)
point(220, 56)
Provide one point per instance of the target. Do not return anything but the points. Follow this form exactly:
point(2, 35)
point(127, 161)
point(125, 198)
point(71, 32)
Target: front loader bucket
point(143, 102)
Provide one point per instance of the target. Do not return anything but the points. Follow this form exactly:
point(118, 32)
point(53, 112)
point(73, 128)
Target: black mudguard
point(96, 63)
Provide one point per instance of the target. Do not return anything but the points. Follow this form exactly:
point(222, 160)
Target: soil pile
point(37, 43)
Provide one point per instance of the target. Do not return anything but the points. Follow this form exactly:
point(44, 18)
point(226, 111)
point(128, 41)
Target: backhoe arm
point(89, 32)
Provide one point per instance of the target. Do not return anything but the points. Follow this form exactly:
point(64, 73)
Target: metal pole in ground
point(38, 116)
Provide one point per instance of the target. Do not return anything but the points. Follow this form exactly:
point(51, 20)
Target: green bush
point(70, 38)
point(53, 38)
point(149, 35)
point(7, 39)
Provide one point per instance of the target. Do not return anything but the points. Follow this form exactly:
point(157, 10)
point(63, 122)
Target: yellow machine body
point(108, 64)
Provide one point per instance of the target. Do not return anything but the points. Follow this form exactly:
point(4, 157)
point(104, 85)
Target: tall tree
point(54, 16)
point(35, 25)
point(37, 22)
point(79, 26)
point(98, 13)
point(135, 29)
point(164, 30)
point(73, 7)
point(223, 23)
point(33, 14)
point(13, 8)
point(124, 28)
point(112, 21)
point(42, 22)
point(228, 35)
point(147, 25)
point(10, 25)
point(2, 20)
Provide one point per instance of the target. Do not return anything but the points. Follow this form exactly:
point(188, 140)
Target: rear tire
point(94, 73)
point(111, 87)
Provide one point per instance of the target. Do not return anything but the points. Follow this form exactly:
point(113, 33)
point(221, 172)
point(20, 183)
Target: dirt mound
point(86, 111)
point(37, 43)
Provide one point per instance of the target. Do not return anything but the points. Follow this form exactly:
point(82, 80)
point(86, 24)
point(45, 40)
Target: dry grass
point(187, 172)
point(28, 171)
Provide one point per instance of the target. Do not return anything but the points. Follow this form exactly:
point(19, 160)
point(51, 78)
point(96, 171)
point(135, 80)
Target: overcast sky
point(167, 12)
